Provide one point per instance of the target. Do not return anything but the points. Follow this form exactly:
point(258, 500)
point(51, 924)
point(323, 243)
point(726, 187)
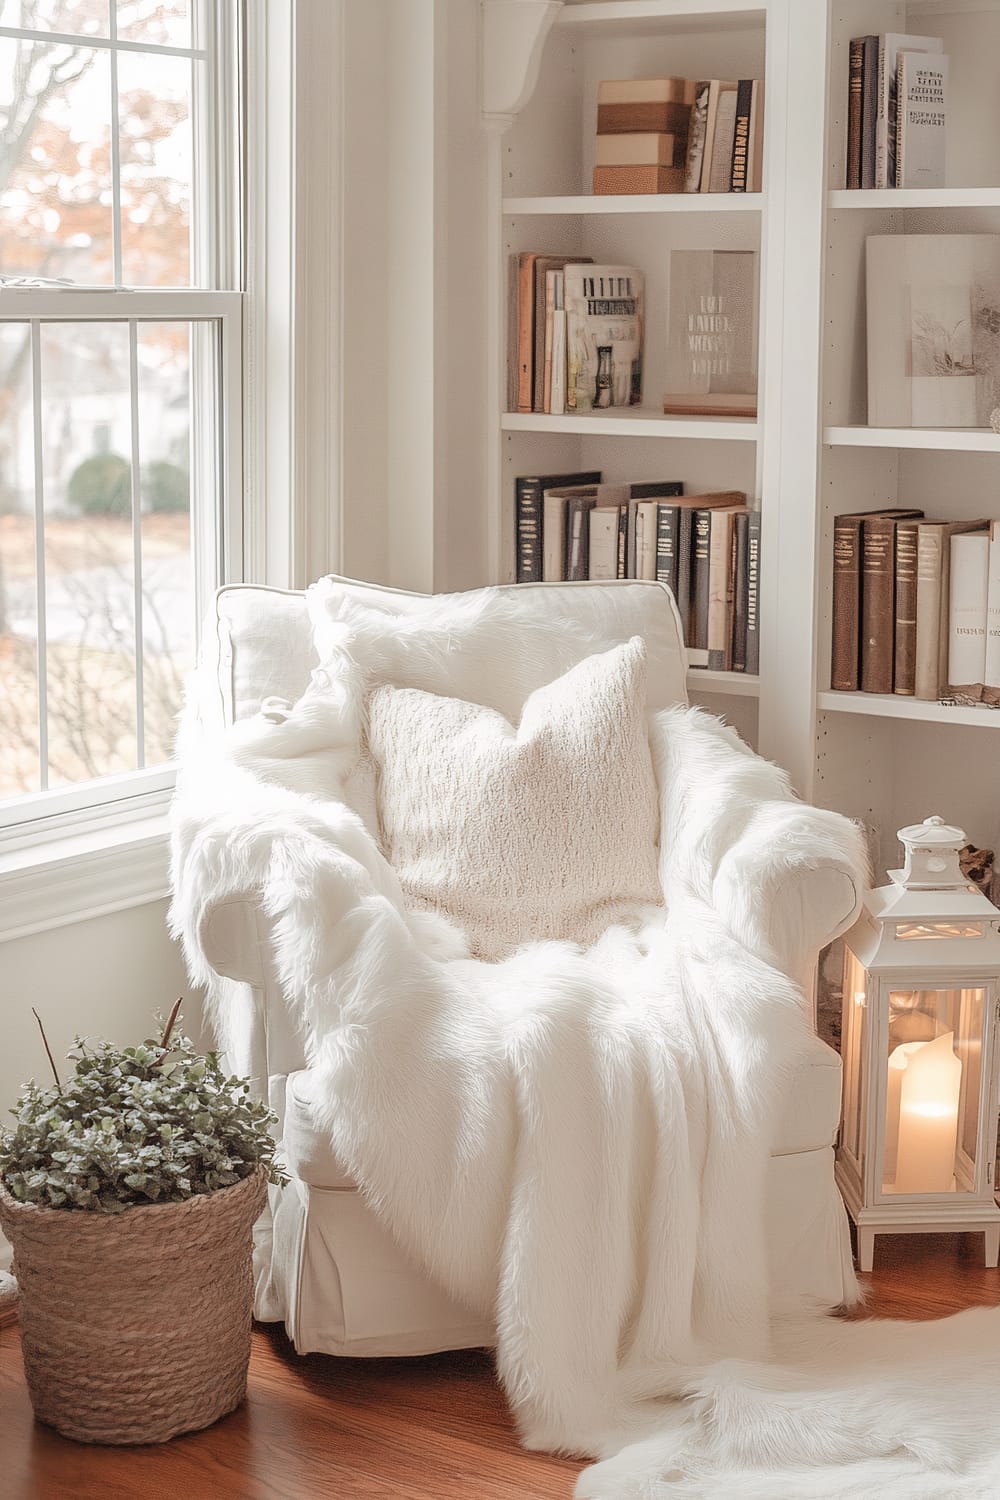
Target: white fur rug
point(575, 1143)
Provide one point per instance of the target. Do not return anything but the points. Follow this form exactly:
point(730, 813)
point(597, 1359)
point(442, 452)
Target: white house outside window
point(119, 384)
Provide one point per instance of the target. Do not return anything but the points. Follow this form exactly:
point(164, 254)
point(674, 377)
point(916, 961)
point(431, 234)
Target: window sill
point(78, 876)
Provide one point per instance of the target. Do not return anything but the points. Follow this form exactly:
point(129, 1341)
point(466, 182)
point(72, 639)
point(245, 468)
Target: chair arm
point(786, 878)
point(232, 935)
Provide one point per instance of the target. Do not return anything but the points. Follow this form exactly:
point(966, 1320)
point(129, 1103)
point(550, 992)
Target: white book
point(920, 119)
point(889, 46)
point(720, 170)
point(553, 536)
point(645, 539)
point(970, 566)
point(604, 542)
point(557, 388)
point(991, 673)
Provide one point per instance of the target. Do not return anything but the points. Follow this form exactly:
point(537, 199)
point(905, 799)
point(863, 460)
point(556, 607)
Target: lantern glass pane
point(909, 931)
point(934, 1075)
point(855, 1000)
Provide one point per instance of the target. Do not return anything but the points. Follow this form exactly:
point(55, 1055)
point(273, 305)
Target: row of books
point(896, 111)
point(916, 606)
point(679, 135)
point(575, 334)
point(705, 548)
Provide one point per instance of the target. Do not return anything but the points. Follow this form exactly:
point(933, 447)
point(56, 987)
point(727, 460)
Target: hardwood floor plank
point(411, 1429)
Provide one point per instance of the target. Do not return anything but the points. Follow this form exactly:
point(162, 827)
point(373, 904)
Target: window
point(120, 321)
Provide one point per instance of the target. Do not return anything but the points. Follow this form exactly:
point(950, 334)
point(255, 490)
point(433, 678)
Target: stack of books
point(916, 606)
point(574, 334)
point(896, 112)
point(679, 135)
point(642, 135)
point(705, 548)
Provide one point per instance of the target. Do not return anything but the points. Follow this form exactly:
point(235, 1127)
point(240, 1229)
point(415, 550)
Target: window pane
point(168, 611)
point(90, 620)
point(55, 164)
point(19, 765)
point(156, 168)
point(71, 17)
point(164, 23)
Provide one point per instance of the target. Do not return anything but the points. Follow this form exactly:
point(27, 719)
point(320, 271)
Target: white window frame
point(37, 818)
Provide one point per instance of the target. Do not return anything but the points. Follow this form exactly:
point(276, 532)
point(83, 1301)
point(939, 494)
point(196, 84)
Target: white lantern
point(921, 987)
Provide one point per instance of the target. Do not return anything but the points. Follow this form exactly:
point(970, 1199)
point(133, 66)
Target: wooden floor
point(425, 1429)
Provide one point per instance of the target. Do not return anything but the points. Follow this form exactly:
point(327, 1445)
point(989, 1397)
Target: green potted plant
point(129, 1194)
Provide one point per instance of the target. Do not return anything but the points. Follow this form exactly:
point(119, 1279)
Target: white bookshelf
point(810, 454)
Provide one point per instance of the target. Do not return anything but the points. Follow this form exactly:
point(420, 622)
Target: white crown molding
point(512, 40)
point(82, 876)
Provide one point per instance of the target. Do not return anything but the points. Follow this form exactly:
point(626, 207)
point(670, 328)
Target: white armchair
point(325, 1265)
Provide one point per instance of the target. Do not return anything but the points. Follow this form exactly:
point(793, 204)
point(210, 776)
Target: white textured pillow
point(548, 830)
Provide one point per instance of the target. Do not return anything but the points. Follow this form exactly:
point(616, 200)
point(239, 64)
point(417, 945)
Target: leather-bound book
point(753, 593)
point(857, 60)
point(741, 581)
point(845, 675)
point(878, 600)
point(905, 671)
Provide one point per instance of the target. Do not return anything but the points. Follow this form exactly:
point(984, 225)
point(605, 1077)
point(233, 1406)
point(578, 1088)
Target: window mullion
point(116, 155)
point(133, 380)
point(40, 607)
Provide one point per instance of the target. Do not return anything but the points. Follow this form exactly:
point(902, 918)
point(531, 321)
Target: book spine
point(558, 389)
point(878, 578)
point(753, 592)
point(528, 529)
point(741, 137)
point(722, 146)
point(991, 674)
point(685, 567)
point(854, 112)
point(696, 141)
point(930, 557)
point(553, 538)
point(882, 118)
point(969, 600)
point(667, 526)
point(525, 331)
point(602, 524)
point(578, 539)
point(741, 528)
point(701, 538)
point(718, 588)
point(756, 161)
point(550, 307)
point(845, 652)
point(711, 114)
point(905, 668)
point(869, 110)
point(622, 570)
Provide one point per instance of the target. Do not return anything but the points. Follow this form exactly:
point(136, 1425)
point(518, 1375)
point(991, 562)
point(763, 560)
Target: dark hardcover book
point(578, 510)
point(685, 569)
point(644, 489)
point(623, 564)
point(855, 71)
point(701, 537)
point(741, 137)
point(753, 592)
point(878, 601)
point(528, 491)
point(869, 110)
point(667, 538)
point(741, 580)
point(905, 669)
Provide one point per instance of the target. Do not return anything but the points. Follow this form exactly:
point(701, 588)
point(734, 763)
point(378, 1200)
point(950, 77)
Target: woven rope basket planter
point(136, 1326)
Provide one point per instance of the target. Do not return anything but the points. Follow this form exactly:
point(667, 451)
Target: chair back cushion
point(521, 833)
point(260, 644)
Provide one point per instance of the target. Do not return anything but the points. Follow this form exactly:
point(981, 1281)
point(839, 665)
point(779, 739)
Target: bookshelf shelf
point(942, 439)
point(727, 684)
point(633, 422)
point(637, 203)
point(882, 198)
point(891, 706)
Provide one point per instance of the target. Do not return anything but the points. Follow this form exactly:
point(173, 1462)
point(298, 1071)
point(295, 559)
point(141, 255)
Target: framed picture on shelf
point(933, 325)
point(712, 334)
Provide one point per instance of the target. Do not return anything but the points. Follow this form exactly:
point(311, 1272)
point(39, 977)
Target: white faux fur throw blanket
point(575, 1143)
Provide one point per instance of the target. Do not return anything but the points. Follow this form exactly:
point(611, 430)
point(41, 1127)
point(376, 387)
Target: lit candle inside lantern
point(897, 1067)
point(928, 1118)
